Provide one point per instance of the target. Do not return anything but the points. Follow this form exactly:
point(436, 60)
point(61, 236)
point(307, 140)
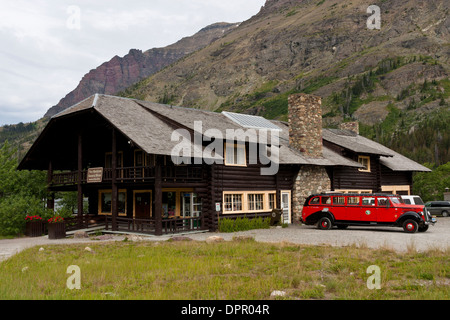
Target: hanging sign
point(94, 175)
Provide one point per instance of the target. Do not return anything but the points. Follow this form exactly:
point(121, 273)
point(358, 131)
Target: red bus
point(374, 209)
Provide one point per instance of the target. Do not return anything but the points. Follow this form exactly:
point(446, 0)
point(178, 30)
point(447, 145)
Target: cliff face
point(321, 47)
point(121, 72)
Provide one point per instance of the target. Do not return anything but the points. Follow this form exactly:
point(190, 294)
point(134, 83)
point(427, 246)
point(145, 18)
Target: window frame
point(235, 146)
point(361, 161)
point(266, 202)
point(102, 191)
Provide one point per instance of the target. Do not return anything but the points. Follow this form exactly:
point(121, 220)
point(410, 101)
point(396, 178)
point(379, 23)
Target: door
point(368, 209)
point(142, 205)
point(385, 213)
point(286, 206)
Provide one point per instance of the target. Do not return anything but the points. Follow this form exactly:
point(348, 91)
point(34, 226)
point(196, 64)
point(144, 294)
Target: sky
point(47, 46)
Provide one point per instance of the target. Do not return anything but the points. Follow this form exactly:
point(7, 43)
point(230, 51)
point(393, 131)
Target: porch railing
point(84, 222)
point(133, 174)
point(169, 226)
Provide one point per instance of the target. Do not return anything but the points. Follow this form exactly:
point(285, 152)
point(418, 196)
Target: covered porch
point(127, 176)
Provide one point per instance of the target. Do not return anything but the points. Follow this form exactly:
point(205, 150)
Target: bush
point(243, 224)
point(13, 211)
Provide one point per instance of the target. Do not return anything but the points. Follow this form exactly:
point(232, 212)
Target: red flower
point(31, 218)
point(56, 219)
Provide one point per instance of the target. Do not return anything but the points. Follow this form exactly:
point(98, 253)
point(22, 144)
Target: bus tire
point(324, 223)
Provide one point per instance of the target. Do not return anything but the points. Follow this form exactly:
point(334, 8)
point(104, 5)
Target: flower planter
point(34, 228)
point(56, 230)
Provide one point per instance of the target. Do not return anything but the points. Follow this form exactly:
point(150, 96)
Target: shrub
point(13, 211)
point(243, 224)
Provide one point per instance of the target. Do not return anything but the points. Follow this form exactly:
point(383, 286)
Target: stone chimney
point(305, 124)
point(351, 126)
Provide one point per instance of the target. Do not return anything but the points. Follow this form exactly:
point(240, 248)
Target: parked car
point(347, 209)
point(417, 200)
point(438, 208)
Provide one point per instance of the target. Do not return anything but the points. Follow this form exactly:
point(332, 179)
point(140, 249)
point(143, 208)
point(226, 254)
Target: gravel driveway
point(437, 237)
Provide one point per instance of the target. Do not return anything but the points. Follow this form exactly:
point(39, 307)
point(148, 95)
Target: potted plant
point(34, 226)
point(56, 227)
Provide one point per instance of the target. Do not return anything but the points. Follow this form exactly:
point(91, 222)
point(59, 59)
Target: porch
point(185, 174)
point(174, 225)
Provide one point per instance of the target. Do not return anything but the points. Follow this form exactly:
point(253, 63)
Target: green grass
point(227, 270)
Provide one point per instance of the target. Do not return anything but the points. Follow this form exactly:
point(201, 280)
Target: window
point(340, 201)
point(232, 202)
point(108, 160)
point(326, 200)
point(105, 202)
point(272, 200)
point(365, 161)
point(353, 201)
point(248, 201)
point(368, 201)
point(383, 202)
point(255, 202)
point(235, 154)
point(315, 200)
point(353, 191)
point(399, 189)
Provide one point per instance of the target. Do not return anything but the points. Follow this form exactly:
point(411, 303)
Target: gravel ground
point(437, 237)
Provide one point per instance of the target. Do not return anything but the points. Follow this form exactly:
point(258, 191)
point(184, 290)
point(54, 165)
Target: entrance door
point(286, 206)
point(142, 204)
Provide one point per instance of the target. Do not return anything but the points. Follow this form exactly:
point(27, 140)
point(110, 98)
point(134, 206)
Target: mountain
point(393, 80)
point(121, 72)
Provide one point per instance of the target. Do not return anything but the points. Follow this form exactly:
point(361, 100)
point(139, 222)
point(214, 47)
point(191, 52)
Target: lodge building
point(117, 153)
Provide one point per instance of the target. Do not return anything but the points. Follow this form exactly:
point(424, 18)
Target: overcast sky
point(47, 46)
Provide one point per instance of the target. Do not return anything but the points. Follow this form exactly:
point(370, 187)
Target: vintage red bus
point(374, 209)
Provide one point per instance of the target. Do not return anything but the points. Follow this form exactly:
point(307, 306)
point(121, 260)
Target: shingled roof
point(359, 144)
point(150, 125)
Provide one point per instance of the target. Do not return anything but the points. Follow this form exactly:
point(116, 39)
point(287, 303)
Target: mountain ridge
point(121, 72)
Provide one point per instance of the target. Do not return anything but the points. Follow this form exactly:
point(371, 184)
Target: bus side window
point(315, 200)
point(326, 200)
point(382, 202)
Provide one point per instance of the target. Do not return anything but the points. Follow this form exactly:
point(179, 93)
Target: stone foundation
point(309, 180)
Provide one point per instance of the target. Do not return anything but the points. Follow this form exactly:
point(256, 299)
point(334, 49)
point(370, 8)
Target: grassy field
point(228, 270)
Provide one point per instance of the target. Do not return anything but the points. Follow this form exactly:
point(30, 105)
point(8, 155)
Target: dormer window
point(235, 154)
point(364, 161)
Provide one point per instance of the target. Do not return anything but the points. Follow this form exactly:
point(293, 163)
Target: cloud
point(42, 58)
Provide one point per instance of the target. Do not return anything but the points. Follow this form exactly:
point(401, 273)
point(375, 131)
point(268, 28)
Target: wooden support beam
point(51, 195)
point(114, 189)
point(80, 176)
point(158, 198)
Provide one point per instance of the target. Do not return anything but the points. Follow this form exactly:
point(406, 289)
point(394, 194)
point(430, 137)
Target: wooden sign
point(95, 175)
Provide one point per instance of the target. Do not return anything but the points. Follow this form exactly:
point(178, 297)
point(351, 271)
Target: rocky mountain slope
point(388, 79)
point(121, 72)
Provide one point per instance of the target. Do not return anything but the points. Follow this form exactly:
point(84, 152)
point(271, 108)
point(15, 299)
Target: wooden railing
point(84, 222)
point(172, 225)
point(134, 174)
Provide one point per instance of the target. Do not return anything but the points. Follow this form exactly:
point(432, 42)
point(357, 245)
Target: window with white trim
point(235, 154)
point(364, 161)
point(248, 201)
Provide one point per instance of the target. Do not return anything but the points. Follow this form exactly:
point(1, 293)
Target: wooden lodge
point(117, 153)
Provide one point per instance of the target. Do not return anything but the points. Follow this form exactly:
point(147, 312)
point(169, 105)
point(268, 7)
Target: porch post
point(80, 177)
point(114, 191)
point(158, 198)
point(51, 195)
